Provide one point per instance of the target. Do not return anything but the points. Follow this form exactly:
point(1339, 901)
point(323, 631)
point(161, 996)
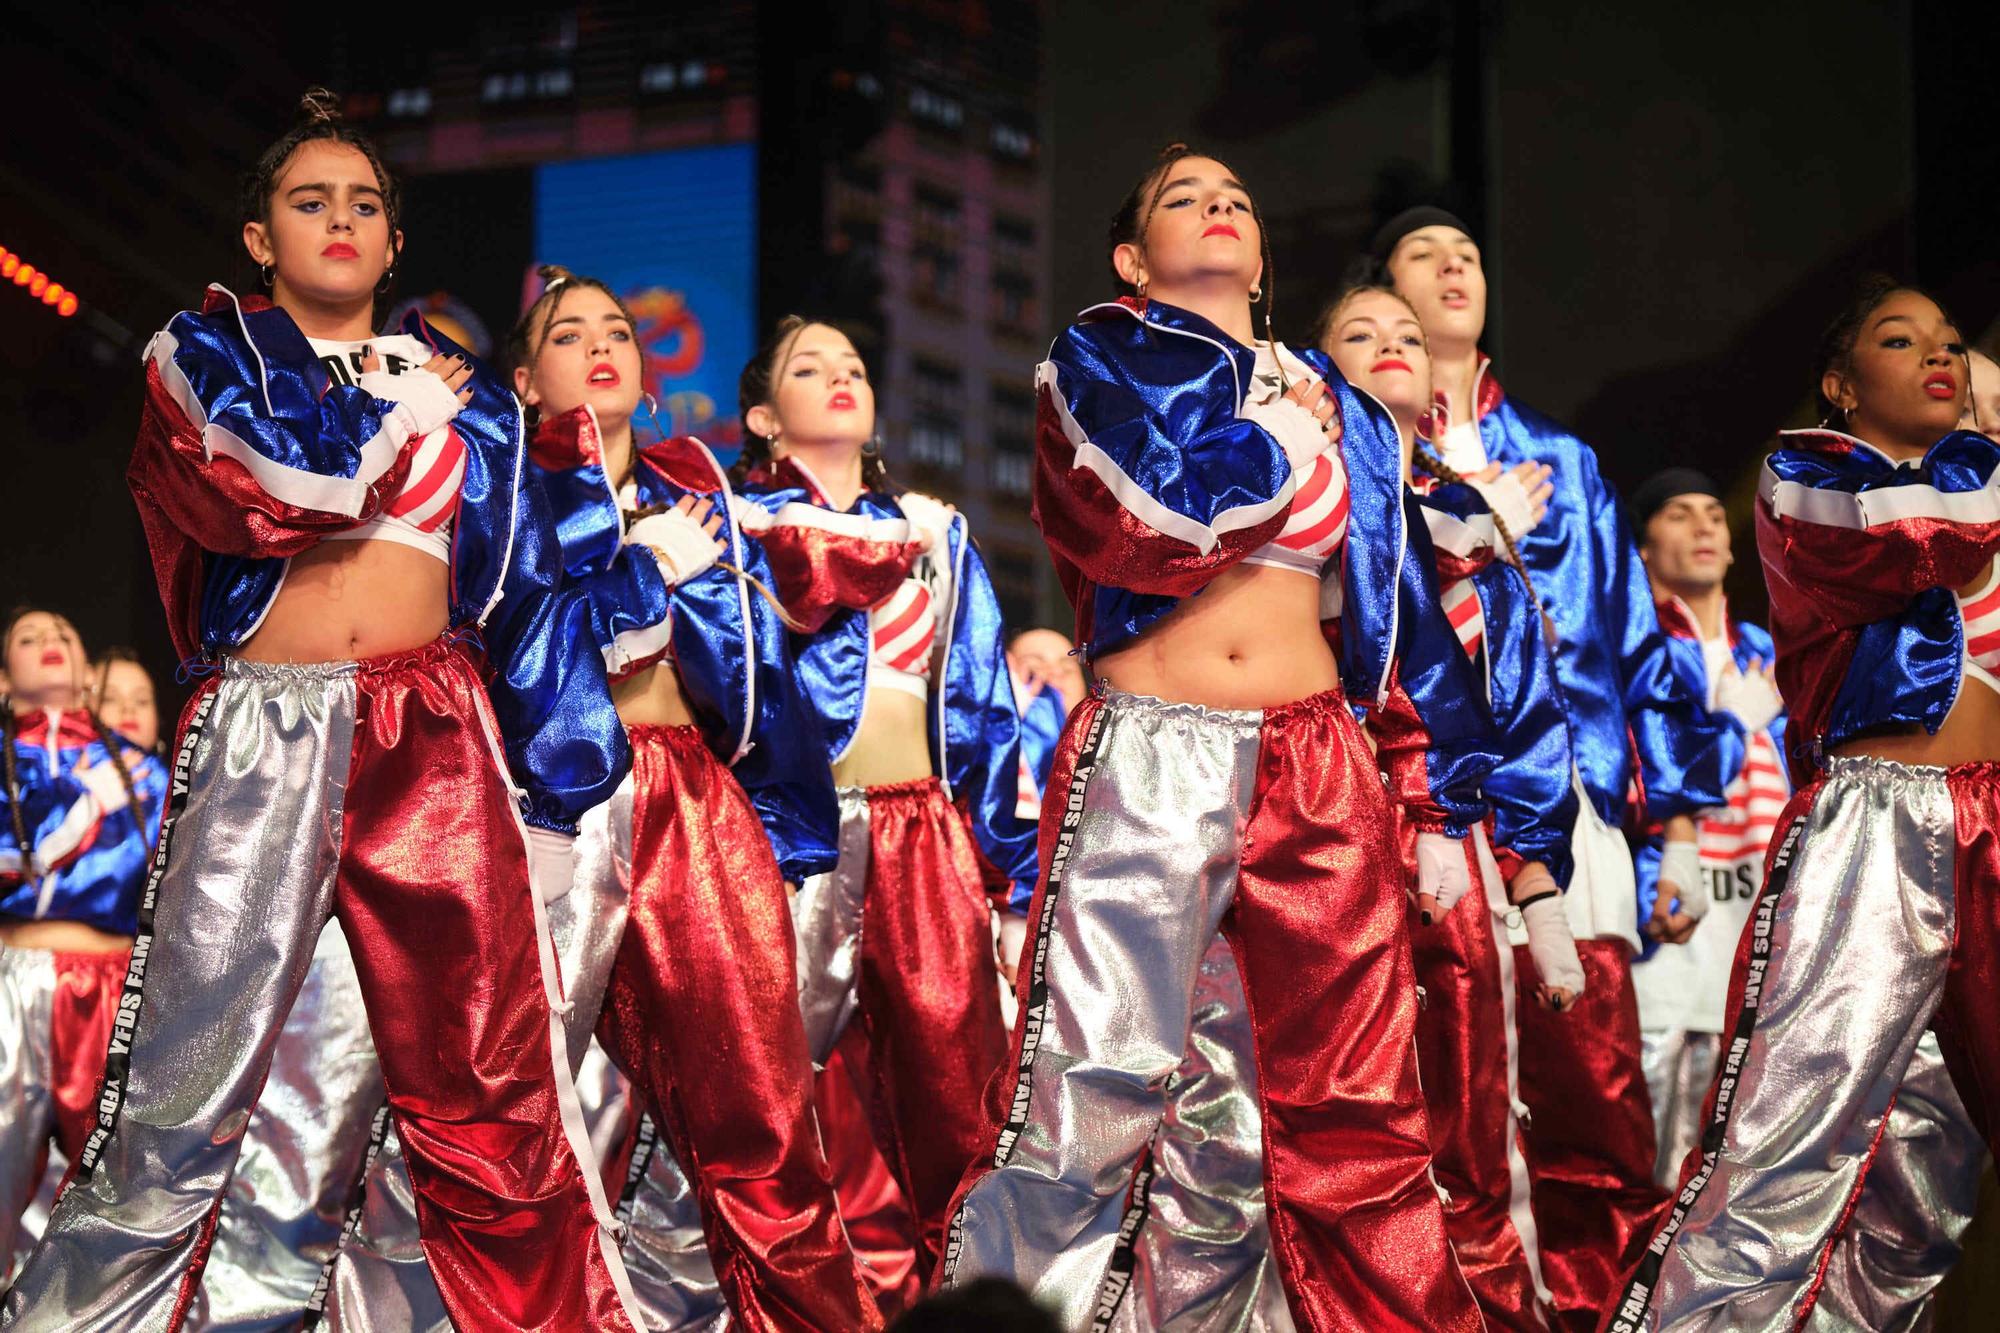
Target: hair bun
point(553, 275)
point(319, 106)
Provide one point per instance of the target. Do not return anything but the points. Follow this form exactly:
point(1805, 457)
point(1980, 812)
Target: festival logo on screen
point(673, 233)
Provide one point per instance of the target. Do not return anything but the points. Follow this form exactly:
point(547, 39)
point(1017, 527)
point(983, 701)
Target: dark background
point(1671, 203)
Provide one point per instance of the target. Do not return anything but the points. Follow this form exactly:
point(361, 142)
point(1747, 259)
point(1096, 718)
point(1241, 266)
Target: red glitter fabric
point(703, 1014)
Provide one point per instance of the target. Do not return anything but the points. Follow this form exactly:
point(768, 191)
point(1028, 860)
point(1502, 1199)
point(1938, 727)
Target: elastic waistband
point(1861, 768)
point(1323, 704)
point(890, 791)
point(446, 648)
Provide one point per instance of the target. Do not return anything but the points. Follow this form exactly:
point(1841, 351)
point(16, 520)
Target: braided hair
point(319, 119)
point(757, 387)
point(532, 329)
point(112, 742)
point(1135, 215)
point(1422, 457)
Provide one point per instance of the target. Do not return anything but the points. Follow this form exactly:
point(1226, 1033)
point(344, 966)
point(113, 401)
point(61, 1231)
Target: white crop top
point(1981, 613)
point(1317, 524)
point(902, 632)
point(420, 515)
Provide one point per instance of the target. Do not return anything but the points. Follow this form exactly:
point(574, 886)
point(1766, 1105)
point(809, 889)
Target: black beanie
point(1654, 492)
point(1410, 219)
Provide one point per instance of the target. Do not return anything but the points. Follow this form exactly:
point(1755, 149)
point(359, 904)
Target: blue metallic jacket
point(1149, 482)
point(1496, 620)
point(1862, 557)
point(726, 638)
point(1622, 693)
point(1757, 786)
point(93, 864)
point(247, 455)
point(831, 566)
point(1041, 732)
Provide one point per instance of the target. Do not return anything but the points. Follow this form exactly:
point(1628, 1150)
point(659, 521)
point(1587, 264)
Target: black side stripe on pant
point(1125, 1254)
point(1637, 1297)
point(645, 1142)
point(124, 1027)
point(1035, 1005)
point(357, 1199)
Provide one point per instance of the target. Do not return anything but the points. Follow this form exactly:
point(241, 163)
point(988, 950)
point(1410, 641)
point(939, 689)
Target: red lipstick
point(604, 375)
point(1389, 363)
point(1941, 384)
point(1222, 229)
point(340, 250)
point(842, 401)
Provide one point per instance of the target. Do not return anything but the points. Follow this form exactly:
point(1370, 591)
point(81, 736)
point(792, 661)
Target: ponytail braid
point(13, 780)
point(111, 743)
point(1431, 464)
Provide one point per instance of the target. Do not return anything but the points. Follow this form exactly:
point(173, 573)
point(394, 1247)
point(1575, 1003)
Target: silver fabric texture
point(380, 1282)
point(1202, 1252)
point(302, 1156)
point(255, 818)
point(27, 1103)
point(664, 1249)
point(1851, 939)
point(1915, 1205)
point(826, 926)
point(1680, 1066)
point(1126, 958)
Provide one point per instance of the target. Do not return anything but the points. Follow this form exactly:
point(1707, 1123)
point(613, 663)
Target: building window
point(1012, 569)
point(408, 103)
point(937, 417)
point(936, 111)
point(934, 252)
point(1014, 309)
point(1012, 142)
point(1012, 414)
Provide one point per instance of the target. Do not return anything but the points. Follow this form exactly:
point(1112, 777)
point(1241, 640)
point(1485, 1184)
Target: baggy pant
point(56, 1011)
point(901, 935)
point(1680, 1066)
point(1272, 827)
point(1879, 917)
point(1469, 1052)
point(375, 792)
point(288, 1198)
point(1589, 1129)
point(701, 1014)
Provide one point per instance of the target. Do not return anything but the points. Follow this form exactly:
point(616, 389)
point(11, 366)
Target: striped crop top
point(1317, 524)
point(902, 633)
point(420, 515)
point(1981, 613)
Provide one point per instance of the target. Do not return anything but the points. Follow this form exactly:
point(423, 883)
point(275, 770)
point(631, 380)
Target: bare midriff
point(60, 936)
point(1250, 639)
point(652, 697)
point(892, 743)
point(344, 600)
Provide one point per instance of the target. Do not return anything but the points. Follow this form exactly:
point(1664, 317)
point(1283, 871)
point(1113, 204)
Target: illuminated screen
point(675, 234)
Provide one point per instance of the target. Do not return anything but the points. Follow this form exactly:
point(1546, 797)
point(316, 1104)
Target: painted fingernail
point(1426, 917)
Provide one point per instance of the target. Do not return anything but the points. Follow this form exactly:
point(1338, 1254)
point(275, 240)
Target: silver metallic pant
point(1680, 1066)
point(1877, 920)
point(282, 1217)
point(380, 1282)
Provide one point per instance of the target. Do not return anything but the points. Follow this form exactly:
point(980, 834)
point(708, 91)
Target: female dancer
point(329, 549)
point(720, 738)
point(85, 803)
point(1880, 912)
point(1464, 962)
point(1591, 1139)
point(905, 665)
point(125, 699)
point(1217, 786)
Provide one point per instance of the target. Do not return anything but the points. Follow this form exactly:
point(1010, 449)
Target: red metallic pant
point(1466, 1048)
point(901, 935)
point(1168, 823)
point(702, 1013)
point(1590, 1128)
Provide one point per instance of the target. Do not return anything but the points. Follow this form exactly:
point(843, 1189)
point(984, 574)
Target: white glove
point(551, 863)
point(1750, 696)
point(1442, 870)
point(1298, 432)
point(1508, 500)
point(1551, 945)
point(428, 399)
point(683, 546)
point(1680, 870)
point(106, 788)
point(1013, 937)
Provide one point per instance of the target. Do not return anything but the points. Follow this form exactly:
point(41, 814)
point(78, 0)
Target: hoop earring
point(1256, 293)
point(1142, 289)
point(872, 449)
point(264, 274)
point(388, 276)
